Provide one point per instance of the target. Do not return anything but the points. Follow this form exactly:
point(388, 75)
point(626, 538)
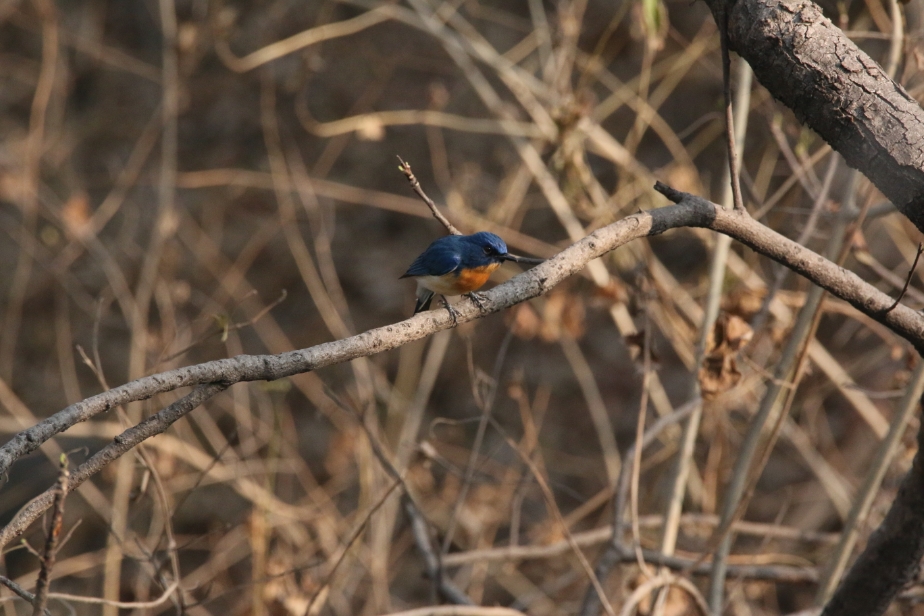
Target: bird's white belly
point(437, 284)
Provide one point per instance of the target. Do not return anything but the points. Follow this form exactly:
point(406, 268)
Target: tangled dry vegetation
point(188, 181)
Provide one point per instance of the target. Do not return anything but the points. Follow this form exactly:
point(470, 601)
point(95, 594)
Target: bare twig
point(405, 168)
point(604, 534)
point(660, 582)
point(553, 508)
point(730, 141)
point(615, 551)
point(51, 542)
point(301, 40)
point(224, 328)
point(866, 493)
point(486, 410)
point(434, 566)
point(419, 525)
point(599, 413)
point(21, 592)
point(172, 547)
point(636, 472)
point(904, 290)
point(356, 534)
point(121, 445)
point(419, 117)
point(124, 605)
point(35, 145)
point(691, 211)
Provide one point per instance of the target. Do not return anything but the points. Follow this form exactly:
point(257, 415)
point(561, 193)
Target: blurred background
point(182, 181)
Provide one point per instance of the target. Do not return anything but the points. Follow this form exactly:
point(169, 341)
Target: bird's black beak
point(519, 259)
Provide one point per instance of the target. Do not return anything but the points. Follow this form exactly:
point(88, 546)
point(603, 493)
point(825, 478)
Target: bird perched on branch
point(457, 265)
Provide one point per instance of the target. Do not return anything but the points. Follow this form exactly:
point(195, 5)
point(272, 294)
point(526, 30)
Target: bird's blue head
point(487, 247)
point(453, 252)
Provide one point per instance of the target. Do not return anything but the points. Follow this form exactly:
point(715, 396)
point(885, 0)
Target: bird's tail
point(424, 297)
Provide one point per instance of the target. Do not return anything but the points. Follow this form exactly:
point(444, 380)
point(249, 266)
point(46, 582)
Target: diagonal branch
point(120, 445)
point(832, 86)
point(690, 211)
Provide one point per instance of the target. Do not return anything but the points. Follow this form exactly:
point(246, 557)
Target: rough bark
point(836, 89)
point(893, 554)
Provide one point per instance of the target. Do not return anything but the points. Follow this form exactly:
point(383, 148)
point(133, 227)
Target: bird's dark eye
point(488, 250)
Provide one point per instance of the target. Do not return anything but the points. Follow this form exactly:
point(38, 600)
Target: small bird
point(458, 264)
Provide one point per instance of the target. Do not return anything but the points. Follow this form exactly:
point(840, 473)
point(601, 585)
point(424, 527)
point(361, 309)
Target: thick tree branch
point(120, 445)
point(907, 323)
point(270, 367)
point(893, 553)
point(213, 377)
point(833, 87)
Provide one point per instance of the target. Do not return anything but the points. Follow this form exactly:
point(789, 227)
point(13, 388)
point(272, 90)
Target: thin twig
point(225, 328)
point(459, 610)
point(553, 508)
point(419, 524)
point(120, 445)
point(172, 548)
point(299, 41)
point(866, 494)
point(615, 551)
point(405, 168)
point(640, 429)
point(662, 582)
point(622, 554)
point(730, 141)
point(21, 592)
point(356, 534)
point(421, 532)
point(486, 410)
point(904, 290)
point(51, 542)
point(124, 605)
point(18, 278)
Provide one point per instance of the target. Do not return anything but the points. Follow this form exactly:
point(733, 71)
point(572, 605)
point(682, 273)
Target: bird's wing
point(440, 258)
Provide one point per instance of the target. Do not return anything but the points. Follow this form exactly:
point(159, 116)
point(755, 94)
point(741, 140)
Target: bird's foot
point(478, 299)
point(453, 313)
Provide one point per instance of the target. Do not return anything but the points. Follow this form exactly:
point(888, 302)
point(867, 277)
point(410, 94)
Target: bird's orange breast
point(474, 278)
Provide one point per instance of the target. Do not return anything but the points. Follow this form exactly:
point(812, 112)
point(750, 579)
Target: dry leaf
point(744, 302)
point(719, 371)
